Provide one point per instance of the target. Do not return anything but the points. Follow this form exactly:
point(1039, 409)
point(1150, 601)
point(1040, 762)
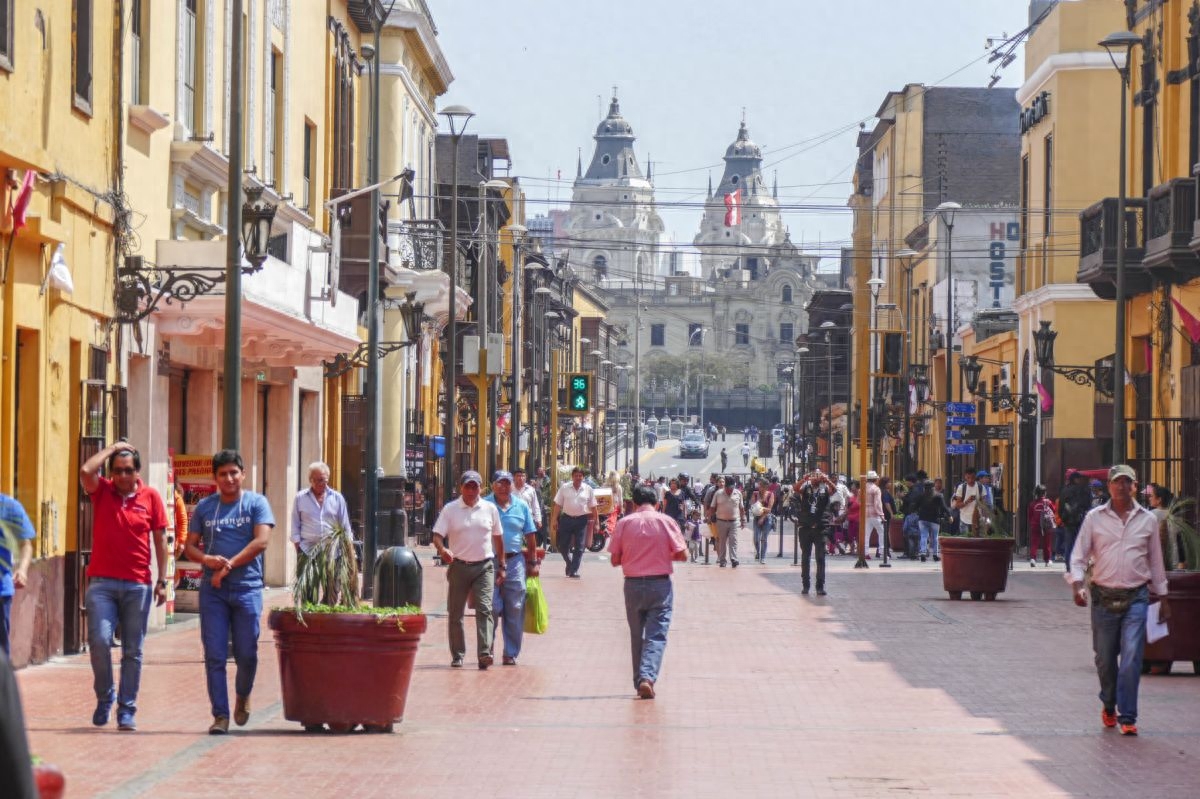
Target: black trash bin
point(397, 578)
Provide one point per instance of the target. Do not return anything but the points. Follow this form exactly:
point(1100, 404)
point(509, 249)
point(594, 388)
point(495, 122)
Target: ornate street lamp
point(1102, 377)
point(257, 218)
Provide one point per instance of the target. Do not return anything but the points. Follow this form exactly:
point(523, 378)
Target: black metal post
point(231, 421)
point(374, 399)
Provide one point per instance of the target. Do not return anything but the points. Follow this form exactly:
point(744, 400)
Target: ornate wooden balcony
point(1098, 248)
point(1170, 225)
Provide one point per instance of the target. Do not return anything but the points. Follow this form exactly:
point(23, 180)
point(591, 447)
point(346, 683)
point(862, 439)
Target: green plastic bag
point(537, 613)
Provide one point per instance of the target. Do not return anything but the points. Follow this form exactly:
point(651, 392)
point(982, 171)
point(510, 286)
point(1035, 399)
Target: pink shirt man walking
point(645, 544)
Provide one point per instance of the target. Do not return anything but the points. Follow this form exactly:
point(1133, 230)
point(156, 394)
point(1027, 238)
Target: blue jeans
point(1119, 640)
point(5, 622)
point(508, 605)
point(929, 534)
point(762, 534)
point(648, 609)
point(235, 608)
point(110, 602)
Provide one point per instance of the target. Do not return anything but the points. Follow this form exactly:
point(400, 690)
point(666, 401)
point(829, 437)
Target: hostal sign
point(1036, 112)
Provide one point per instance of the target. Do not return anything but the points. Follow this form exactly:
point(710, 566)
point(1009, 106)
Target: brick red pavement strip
point(883, 688)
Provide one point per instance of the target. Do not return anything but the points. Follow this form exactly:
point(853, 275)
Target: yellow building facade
point(59, 142)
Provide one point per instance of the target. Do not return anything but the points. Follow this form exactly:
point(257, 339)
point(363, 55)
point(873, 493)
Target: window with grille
point(742, 335)
point(658, 335)
point(786, 332)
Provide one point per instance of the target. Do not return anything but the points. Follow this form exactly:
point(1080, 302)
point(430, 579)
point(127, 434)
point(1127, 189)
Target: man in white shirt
point(968, 500)
point(574, 520)
point(1119, 540)
point(727, 506)
point(529, 493)
point(317, 510)
point(476, 565)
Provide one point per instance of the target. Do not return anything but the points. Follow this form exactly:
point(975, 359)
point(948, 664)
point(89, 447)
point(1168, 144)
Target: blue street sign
point(954, 435)
point(962, 408)
point(958, 420)
point(960, 449)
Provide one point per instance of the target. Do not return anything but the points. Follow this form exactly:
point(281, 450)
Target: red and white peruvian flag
point(733, 208)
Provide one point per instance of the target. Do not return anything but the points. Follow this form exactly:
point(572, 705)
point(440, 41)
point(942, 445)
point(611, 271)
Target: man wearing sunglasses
point(126, 514)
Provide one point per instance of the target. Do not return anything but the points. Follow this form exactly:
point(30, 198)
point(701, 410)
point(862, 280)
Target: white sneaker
point(1032, 563)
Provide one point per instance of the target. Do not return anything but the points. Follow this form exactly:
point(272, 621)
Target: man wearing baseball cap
point(476, 564)
point(520, 548)
point(1120, 540)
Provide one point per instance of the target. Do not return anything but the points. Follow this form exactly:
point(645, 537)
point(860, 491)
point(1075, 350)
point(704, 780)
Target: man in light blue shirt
point(317, 510)
point(14, 571)
point(520, 551)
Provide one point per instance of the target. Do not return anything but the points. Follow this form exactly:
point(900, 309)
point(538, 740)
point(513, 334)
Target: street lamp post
point(946, 213)
point(908, 255)
point(514, 404)
point(876, 285)
point(457, 116)
point(687, 371)
point(231, 421)
point(1126, 41)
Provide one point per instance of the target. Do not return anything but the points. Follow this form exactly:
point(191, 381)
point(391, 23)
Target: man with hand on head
point(126, 515)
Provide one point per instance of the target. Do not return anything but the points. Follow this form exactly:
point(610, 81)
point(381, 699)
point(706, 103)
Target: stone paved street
point(883, 688)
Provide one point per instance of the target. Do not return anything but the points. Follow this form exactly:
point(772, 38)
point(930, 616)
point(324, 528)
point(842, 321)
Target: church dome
point(743, 147)
point(614, 125)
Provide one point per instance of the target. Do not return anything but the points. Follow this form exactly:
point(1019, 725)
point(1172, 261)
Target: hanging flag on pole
point(733, 208)
point(1044, 393)
point(1190, 323)
point(21, 201)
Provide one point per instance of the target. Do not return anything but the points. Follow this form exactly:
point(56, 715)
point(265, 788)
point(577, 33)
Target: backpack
point(1047, 517)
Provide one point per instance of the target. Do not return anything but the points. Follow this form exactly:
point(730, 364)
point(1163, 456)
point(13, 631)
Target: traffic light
point(579, 393)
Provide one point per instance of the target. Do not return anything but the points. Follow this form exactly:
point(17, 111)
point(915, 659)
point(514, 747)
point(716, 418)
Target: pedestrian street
point(884, 687)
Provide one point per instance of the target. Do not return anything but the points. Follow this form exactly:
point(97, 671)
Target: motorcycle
point(600, 537)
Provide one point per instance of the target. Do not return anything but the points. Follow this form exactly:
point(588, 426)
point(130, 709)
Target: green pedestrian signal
point(579, 393)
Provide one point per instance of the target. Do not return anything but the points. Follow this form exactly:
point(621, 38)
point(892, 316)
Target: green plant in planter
point(327, 576)
point(1179, 527)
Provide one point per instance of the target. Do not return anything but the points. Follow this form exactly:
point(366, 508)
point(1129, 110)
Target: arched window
point(786, 299)
point(600, 267)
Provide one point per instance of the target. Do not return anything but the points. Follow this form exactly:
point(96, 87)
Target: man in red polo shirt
point(126, 513)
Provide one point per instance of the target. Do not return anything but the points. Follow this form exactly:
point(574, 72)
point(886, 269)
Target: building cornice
point(400, 71)
point(1054, 293)
point(1063, 62)
point(408, 20)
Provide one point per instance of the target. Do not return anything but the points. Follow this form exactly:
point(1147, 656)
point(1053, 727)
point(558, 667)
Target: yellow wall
point(50, 332)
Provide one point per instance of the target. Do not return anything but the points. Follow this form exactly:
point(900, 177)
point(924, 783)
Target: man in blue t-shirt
point(228, 533)
point(520, 551)
point(16, 521)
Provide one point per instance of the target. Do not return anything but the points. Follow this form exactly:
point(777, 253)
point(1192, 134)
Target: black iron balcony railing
point(1171, 212)
point(1098, 247)
point(417, 243)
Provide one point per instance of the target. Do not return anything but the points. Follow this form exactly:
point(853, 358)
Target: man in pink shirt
point(644, 544)
point(874, 511)
point(1120, 540)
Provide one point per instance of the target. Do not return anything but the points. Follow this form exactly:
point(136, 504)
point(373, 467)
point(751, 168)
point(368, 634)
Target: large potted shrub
point(342, 663)
point(976, 560)
point(1183, 593)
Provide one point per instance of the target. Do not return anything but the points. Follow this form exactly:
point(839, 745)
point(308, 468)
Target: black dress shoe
point(804, 590)
point(820, 592)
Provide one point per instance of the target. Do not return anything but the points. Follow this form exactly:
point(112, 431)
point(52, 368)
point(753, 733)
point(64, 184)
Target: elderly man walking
point(728, 508)
point(644, 545)
point(476, 564)
point(316, 512)
point(520, 556)
point(1120, 541)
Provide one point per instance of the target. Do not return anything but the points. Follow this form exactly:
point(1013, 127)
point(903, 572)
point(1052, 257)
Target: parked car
point(693, 445)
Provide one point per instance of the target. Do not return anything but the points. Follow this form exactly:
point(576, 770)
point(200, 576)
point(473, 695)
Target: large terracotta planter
point(896, 534)
point(345, 669)
point(1183, 641)
point(976, 566)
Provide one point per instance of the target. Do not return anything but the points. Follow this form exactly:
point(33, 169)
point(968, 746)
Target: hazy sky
point(807, 73)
